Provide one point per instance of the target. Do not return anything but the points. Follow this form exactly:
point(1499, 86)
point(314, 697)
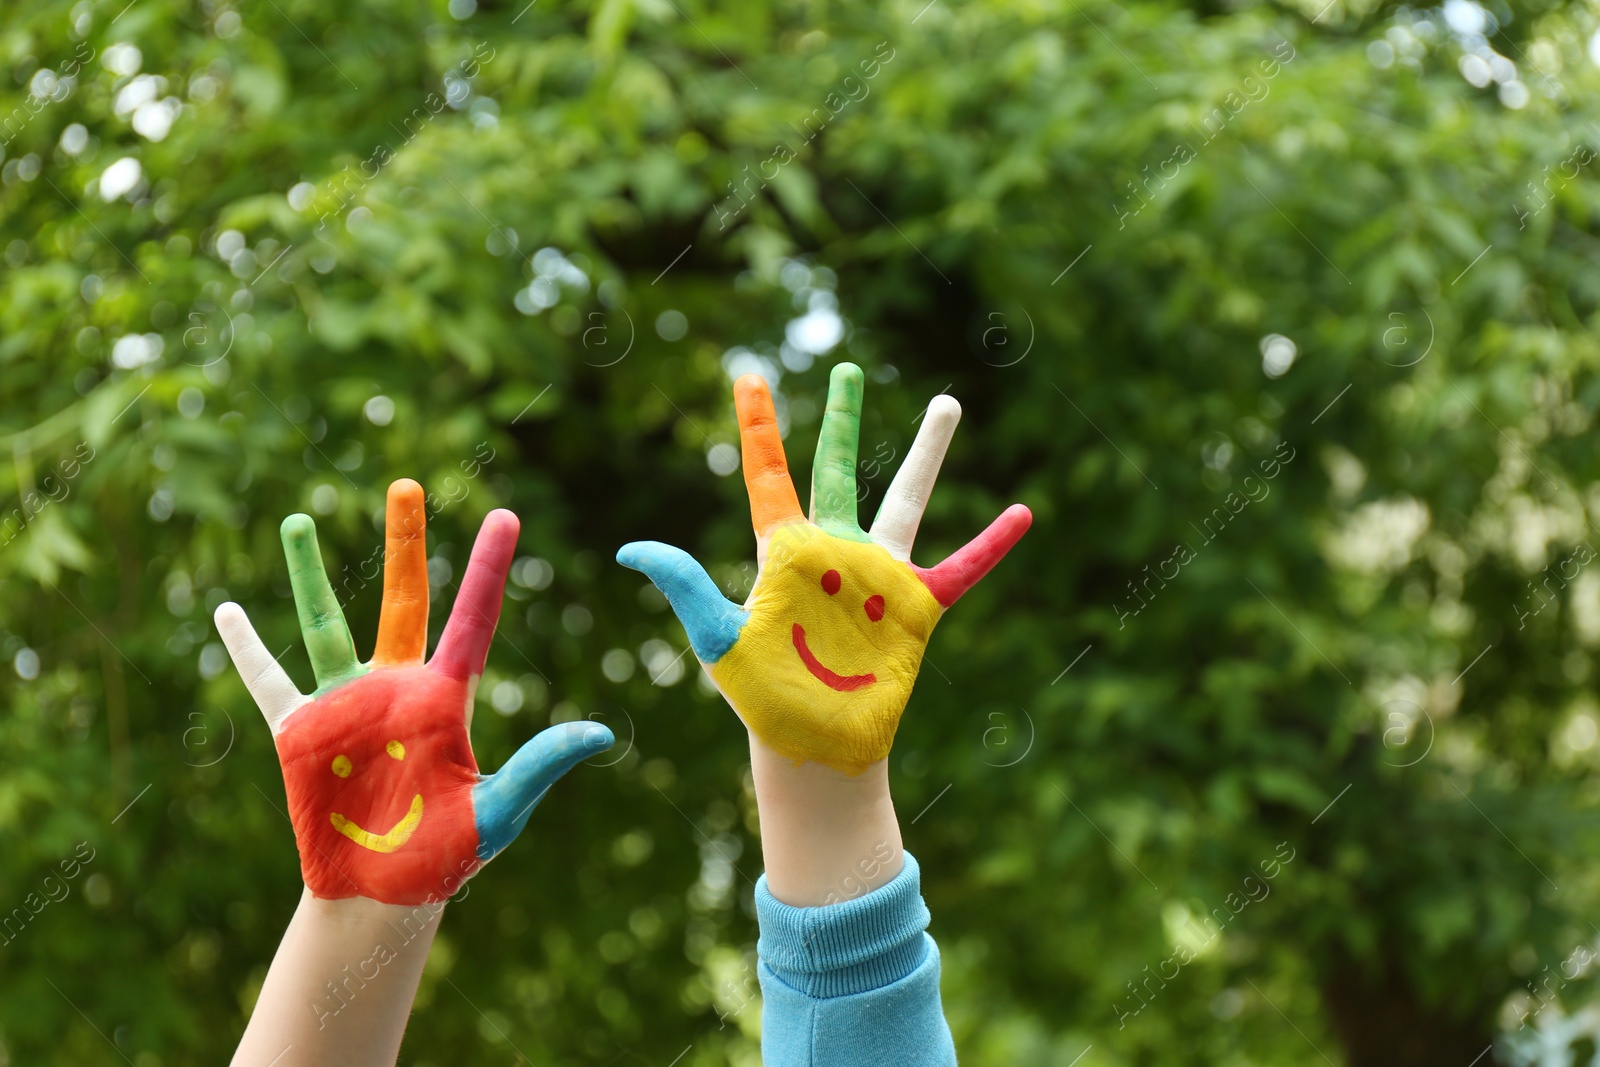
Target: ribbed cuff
point(849, 948)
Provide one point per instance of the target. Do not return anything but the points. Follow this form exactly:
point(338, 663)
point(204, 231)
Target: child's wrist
point(826, 836)
point(363, 916)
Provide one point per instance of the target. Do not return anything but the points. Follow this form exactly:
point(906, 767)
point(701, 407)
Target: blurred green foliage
point(268, 257)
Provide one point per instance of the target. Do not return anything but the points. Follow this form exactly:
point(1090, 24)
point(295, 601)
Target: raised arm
point(819, 663)
point(389, 810)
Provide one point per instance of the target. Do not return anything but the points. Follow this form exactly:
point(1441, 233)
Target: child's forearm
point(826, 836)
point(848, 974)
point(341, 985)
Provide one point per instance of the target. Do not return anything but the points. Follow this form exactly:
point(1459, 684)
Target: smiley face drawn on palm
point(384, 791)
point(820, 660)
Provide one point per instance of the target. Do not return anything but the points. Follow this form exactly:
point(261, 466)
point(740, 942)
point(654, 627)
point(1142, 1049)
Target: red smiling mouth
point(842, 682)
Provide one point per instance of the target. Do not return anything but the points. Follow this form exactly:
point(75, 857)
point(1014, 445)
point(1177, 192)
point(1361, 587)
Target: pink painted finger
point(465, 643)
point(968, 564)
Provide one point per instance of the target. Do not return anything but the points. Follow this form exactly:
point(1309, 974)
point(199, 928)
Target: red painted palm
point(384, 792)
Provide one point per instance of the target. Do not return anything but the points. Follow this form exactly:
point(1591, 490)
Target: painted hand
point(820, 660)
point(384, 792)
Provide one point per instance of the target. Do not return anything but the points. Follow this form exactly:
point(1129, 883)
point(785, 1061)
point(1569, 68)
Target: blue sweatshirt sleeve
point(853, 984)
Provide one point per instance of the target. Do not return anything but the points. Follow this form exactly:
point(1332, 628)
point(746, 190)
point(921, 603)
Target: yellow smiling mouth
point(382, 843)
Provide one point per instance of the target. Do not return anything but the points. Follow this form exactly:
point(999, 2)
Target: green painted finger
point(833, 472)
point(322, 625)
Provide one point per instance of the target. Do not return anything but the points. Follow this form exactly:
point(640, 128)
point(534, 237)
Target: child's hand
point(383, 789)
point(820, 661)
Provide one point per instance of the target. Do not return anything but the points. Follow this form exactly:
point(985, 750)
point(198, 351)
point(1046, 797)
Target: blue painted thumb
point(712, 620)
point(502, 802)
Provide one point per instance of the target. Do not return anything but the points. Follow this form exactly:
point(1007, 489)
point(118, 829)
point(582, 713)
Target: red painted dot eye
point(830, 582)
point(874, 607)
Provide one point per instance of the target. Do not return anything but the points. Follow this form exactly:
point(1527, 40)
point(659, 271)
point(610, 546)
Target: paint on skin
point(821, 659)
point(813, 674)
point(395, 828)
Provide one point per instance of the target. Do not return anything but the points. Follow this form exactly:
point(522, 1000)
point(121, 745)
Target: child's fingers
point(327, 637)
point(895, 528)
point(833, 471)
point(266, 680)
point(766, 471)
point(502, 802)
point(464, 645)
point(712, 620)
point(969, 563)
point(403, 621)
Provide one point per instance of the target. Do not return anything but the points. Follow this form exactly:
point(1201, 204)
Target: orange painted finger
point(403, 622)
point(766, 472)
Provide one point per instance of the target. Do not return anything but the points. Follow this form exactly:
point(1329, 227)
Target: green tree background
point(1279, 317)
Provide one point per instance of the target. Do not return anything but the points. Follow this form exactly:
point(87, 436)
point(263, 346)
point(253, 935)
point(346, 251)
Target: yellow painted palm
point(820, 660)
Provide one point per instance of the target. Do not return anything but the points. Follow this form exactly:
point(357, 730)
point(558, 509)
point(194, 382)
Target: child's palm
point(820, 660)
point(384, 791)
